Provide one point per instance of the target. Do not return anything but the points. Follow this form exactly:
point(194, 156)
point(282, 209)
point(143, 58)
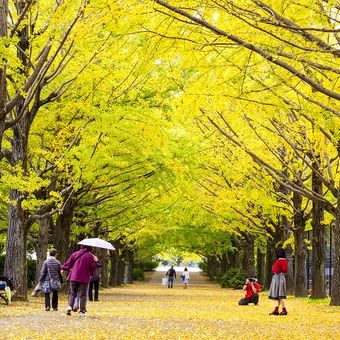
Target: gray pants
point(74, 286)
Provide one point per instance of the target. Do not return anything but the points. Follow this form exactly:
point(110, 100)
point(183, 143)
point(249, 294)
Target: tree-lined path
point(149, 311)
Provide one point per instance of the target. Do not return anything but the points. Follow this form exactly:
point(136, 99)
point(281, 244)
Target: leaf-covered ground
point(150, 311)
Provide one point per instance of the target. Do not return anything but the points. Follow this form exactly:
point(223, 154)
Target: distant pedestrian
point(278, 288)
point(171, 275)
point(51, 270)
point(94, 282)
point(252, 288)
point(185, 278)
point(81, 265)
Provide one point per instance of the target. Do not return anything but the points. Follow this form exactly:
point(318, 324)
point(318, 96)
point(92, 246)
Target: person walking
point(185, 278)
point(51, 270)
point(94, 283)
point(278, 287)
point(82, 265)
point(171, 274)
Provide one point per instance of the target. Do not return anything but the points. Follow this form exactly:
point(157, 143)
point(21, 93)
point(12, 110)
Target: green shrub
point(203, 266)
point(233, 278)
point(146, 265)
point(31, 269)
point(137, 274)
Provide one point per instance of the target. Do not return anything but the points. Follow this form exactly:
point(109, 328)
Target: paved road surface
point(196, 278)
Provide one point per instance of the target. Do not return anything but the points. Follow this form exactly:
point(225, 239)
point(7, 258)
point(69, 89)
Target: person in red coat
point(278, 287)
point(81, 265)
point(252, 289)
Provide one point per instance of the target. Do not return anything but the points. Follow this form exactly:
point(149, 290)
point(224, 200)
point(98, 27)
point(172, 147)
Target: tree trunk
point(318, 244)
point(16, 261)
point(211, 266)
point(41, 245)
point(335, 292)
point(286, 231)
point(260, 263)
point(248, 255)
point(61, 235)
point(300, 249)
point(103, 257)
point(128, 266)
point(113, 280)
point(3, 83)
point(269, 263)
point(224, 263)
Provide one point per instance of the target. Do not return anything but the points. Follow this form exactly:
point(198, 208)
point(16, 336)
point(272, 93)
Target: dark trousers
point(74, 286)
point(94, 285)
point(54, 299)
point(253, 299)
point(170, 281)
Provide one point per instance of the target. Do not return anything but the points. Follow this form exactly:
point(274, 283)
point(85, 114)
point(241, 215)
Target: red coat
point(280, 266)
point(249, 290)
point(81, 265)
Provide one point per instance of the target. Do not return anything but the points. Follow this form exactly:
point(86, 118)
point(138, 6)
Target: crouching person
point(252, 289)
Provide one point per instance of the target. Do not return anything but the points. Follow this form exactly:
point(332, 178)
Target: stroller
point(6, 287)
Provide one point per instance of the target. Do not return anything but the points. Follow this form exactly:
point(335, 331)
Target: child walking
point(278, 287)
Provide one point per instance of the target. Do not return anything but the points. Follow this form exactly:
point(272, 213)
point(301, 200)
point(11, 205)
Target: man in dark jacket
point(171, 274)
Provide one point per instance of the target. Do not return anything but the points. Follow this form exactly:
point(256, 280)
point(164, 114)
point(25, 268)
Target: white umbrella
point(96, 242)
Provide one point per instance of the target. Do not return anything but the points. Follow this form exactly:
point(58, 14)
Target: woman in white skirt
point(278, 287)
point(185, 278)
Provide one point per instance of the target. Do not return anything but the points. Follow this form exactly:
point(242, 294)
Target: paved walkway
point(196, 278)
point(148, 311)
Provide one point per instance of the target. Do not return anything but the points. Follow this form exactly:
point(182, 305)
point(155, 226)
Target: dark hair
point(53, 252)
point(89, 248)
point(280, 252)
point(185, 269)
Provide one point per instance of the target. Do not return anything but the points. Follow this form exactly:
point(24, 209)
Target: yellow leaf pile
point(150, 311)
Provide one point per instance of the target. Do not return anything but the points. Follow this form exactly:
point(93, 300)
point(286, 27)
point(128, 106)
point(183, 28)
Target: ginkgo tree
point(282, 58)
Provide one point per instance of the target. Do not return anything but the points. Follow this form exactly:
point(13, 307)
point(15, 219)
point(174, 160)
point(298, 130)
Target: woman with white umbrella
point(81, 265)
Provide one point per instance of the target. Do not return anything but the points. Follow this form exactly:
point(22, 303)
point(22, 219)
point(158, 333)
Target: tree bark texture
point(318, 244)
point(16, 261)
point(260, 263)
point(41, 244)
point(300, 248)
point(103, 258)
point(270, 258)
point(61, 235)
point(248, 258)
point(335, 293)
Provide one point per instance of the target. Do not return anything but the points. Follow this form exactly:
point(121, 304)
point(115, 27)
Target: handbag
point(55, 284)
point(37, 289)
point(46, 287)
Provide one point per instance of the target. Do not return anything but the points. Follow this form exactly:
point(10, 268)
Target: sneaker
point(68, 312)
point(55, 309)
point(82, 313)
point(284, 313)
point(47, 309)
